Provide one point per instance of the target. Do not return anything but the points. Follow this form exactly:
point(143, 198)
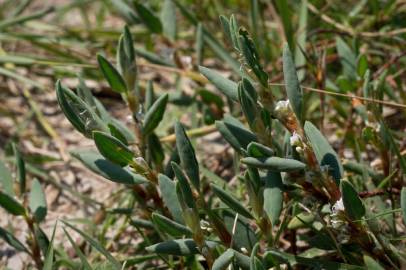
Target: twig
point(192, 133)
point(386, 103)
point(378, 192)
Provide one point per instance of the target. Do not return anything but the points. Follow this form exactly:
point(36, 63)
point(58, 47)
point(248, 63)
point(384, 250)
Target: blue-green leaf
point(112, 148)
point(111, 74)
point(187, 155)
point(37, 201)
point(325, 154)
point(293, 89)
point(226, 86)
point(354, 207)
point(96, 163)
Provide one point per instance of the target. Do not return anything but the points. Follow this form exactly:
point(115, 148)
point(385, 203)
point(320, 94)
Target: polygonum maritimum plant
point(293, 203)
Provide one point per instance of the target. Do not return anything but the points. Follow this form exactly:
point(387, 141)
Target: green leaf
point(148, 18)
point(125, 11)
point(119, 128)
point(244, 236)
point(126, 60)
point(242, 260)
point(234, 32)
point(78, 112)
point(293, 89)
point(12, 240)
point(111, 74)
point(84, 92)
point(403, 203)
point(6, 180)
point(179, 247)
point(273, 196)
point(226, 26)
point(82, 257)
point(186, 192)
point(300, 58)
point(96, 163)
point(116, 133)
point(155, 149)
point(301, 220)
point(325, 154)
point(154, 58)
point(362, 65)
point(41, 238)
point(347, 58)
point(248, 100)
point(155, 114)
point(255, 263)
point(224, 260)
point(230, 201)
point(285, 13)
point(168, 19)
point(199, 45)
point(258, 150)
point(11, 205)
point(354, 207)
point(113, 149)
point(187, 155)
point(37, 201)
point(170, 227)
point(226, 86)
point(96, 245)
point(168, 192)
point(249, 51)
point(275, 164)
point(20, 164)
point(371, 264)
point(235, 133)
point(49, 255)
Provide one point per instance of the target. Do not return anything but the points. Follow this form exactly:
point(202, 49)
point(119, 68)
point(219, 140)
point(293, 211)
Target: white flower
point(338, 206)
point(282, 105)
point(295, 139)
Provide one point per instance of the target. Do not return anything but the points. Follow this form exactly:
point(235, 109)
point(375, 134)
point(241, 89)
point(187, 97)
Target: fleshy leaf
point(6, 180)
point(231, 201)
point(11, 205)
point(37, 201)
point(178, 247)
point(112, 148)
point(96, 163)
point(226, 86)
point(168, 191)
point(224, 260)
point(170, 227)
point(275, 164)
point(187, 156)
point(155, 114)
point(273, 196)
point(111, 74)
point(354, 207)
point(12, 240)
point(293, 89)
point(325, 154)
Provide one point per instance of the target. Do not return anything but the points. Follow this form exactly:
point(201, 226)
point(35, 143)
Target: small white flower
point(338, 206)
point(299, 149)
point(205, 226)
point(282, 105)
point(295, 139)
